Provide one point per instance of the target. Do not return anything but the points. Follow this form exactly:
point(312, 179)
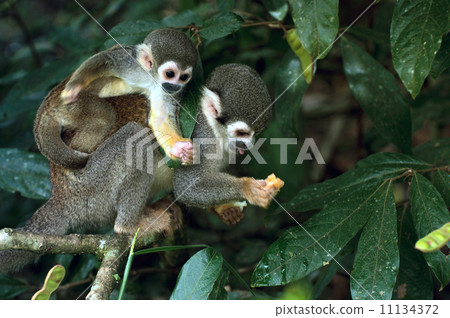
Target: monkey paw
point(261, 192)
point(230, 213)
point(70, 94)
point(183, 150)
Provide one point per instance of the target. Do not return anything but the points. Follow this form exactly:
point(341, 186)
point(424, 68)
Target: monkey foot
point(183, 150)
point(230, 213)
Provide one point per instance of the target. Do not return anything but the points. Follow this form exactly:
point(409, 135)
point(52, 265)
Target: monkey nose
point(241, 144)
point(171, 88)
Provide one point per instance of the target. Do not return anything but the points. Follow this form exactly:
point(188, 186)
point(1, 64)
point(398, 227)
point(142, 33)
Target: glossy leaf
point(303, 249)
point(409, 284)
point(392, 159)
point(416, 31)
point(221, 25)
point(183, 19)
point(132, 32)
point(377, 259)
point(435, 151)
point(276, 8)
point(24, 172)
point(317, 24)
point(218, 292)
point(430, 213)
point(379, 95)
point(435, 240)
point(198, 276)
point(441, 181)
point(441, 62)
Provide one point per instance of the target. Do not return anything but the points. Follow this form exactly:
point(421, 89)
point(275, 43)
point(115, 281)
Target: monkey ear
point(144, 56)
point(211, 104)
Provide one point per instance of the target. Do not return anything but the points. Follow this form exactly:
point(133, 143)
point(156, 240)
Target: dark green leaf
point(377, 37)
point(377, 260)
point(290, 86)
point(85, 265)
point(11, 287)
point(442, 60)
point(131, 32)
point(303, 249)
point(219, 292)
point(317, 24)
point(182, 19)
point(225, 5)
point(324, 279)
point(392, 159)
point(27, 173)
point(435, 151)
point(276, 8)
point(416, 31)
point(220, 25)
point(441, 180)
point(168, 248)
point(28, 93)
point(409, 284)
point(379, 95)
point(430, 213)
point(198, 276)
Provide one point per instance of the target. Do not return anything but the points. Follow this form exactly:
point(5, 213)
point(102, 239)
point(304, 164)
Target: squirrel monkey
point(234, 108)
point(109, 192)
point(159, 68)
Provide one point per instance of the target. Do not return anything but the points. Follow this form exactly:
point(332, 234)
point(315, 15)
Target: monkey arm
point(164, 124)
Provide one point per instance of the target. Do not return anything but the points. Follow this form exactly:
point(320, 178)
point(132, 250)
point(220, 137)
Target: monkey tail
point(47, 220)
point(47, 132)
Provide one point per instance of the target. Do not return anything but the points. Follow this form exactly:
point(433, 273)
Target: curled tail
point(49, 219)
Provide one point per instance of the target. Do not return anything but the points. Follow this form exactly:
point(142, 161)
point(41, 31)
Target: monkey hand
point(183, 150)
point(70, 94)
point(261, 192)
point(229, 213)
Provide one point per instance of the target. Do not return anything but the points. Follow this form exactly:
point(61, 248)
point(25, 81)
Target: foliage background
point(349, 116)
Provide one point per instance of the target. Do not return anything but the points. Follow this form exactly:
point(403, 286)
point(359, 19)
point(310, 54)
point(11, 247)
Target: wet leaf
point(379, 95)
point(24, 172)
point(317, 24)
point(198, 276)
point(416, 31)
point(430, 213)
point(377, 259)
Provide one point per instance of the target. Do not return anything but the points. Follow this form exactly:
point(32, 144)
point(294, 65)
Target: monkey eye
point(184, 77)
point(170, 74)
point(242, 133)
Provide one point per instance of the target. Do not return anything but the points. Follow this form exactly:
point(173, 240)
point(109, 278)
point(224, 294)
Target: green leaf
point(11, 287)
point(379, 95)
point(377, 260)
point(303, 249)
point(416, 31)
point(290, 86)
point(435, 151)
point(24, 172)
point(442, 60)
point(324, 278)
point(225, 5)
point(441, 180)
point(198, 276)
point(220, 25)
point(183, 19)
point(132, 32)
point(410, 285)
point(430, 213)
point(218, 292)
point(276, 8)
point(317, 24)
point(392, 159)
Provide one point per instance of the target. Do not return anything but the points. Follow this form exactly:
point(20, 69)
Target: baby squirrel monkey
point(235, 107)
point(110, 192)
point(159, 68)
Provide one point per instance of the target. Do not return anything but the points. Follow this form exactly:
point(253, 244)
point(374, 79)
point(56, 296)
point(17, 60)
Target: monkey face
point(172, 78)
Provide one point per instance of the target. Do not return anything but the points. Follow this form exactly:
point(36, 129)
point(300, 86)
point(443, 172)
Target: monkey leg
point(229, 213)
